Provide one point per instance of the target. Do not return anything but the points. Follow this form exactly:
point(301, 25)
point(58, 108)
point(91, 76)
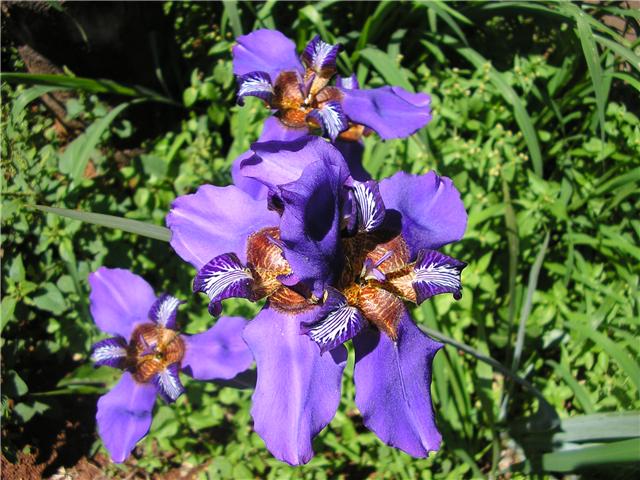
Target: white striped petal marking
point(370, 205)
point(338, 322)
point(164, 311)
point(332, 119)
point(436, 273)
point(168, 383)
point(255, 84)
point(223, 277)
point(110, 351)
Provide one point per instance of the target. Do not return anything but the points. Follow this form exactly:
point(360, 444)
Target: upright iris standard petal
point(168, 383)
point(255, 84)
point(265, 51)
point(273, 129)
point(310, 223)
point(352, 153)
point(391, 111)
point(124, 416)
point(331, 118)
point(336, 323)
point(371, 209)
point(164, 311)
point(426, 208)
point(219, 353)
point(278, 162)
point(393, 387)
point(119, 300)
point(436, 273)
point(298, 390)
point(111, 352)
point(223, 277)
point(215, 220)
point(253, 188)
point(320, 56)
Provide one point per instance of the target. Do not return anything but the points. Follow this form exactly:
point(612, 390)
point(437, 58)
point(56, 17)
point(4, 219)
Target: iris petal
point(265, 51)
point(119, 300)
point(391, 111)
point(223, 277)
point(298, 390)
point(338, 322)
point(255, 84)
point(393, 387)
point(215, 220)
point(110, 351)
point(320, 56)
point(168, 383)
point(436, 273)
point(164, 311)
point(370, 205)
point(124, 416)
point(331, 118)
point(427, 209)
point(218, 353)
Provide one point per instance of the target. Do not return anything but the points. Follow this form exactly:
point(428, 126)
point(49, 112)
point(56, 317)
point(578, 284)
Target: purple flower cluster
point(336, 256)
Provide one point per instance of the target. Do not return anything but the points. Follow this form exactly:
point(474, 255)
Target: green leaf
point(578, 390)
point(621, 356)
point(520, 112)
point(617, 182)
point(626, 53)
point(75, 158)
point(26, 411)
point(51, 300)
point(599, 427)
point(8, 306)
point(84, 84)
point(27, 97)
point(387, 67)
point(14, 387)
point(582, 457)
point(231, 10)
point(16, 271)
point(526, 308)
point(132, 226)
point(587, 40)
point(189, 96)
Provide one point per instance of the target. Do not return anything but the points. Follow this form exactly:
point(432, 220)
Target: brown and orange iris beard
point(381, 301)
point(267, 264)
point(151, 350)
point(293, 108)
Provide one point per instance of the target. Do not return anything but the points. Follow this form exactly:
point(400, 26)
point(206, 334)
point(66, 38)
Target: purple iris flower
point(385, 256)
point(298, 90)
point(150, 350)
point(336, 259)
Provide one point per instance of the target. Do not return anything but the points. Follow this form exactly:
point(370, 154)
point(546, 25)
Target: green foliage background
point(536, 121)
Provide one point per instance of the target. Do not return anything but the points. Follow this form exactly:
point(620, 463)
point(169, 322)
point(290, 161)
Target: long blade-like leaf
point(386, 67)
point(132, 226)
point(585, 34)
point(608, 453)
point(85, 84)
point(520, 112)
point(75, 158)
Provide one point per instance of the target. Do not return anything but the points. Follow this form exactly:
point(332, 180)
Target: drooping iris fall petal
point(393, 387)
point(215, 220)
point(265, 51)
point(427, 209)
point(298, 390)
point(391, 112)
point(119, 300)
point(218, 353)
point(124, 416)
